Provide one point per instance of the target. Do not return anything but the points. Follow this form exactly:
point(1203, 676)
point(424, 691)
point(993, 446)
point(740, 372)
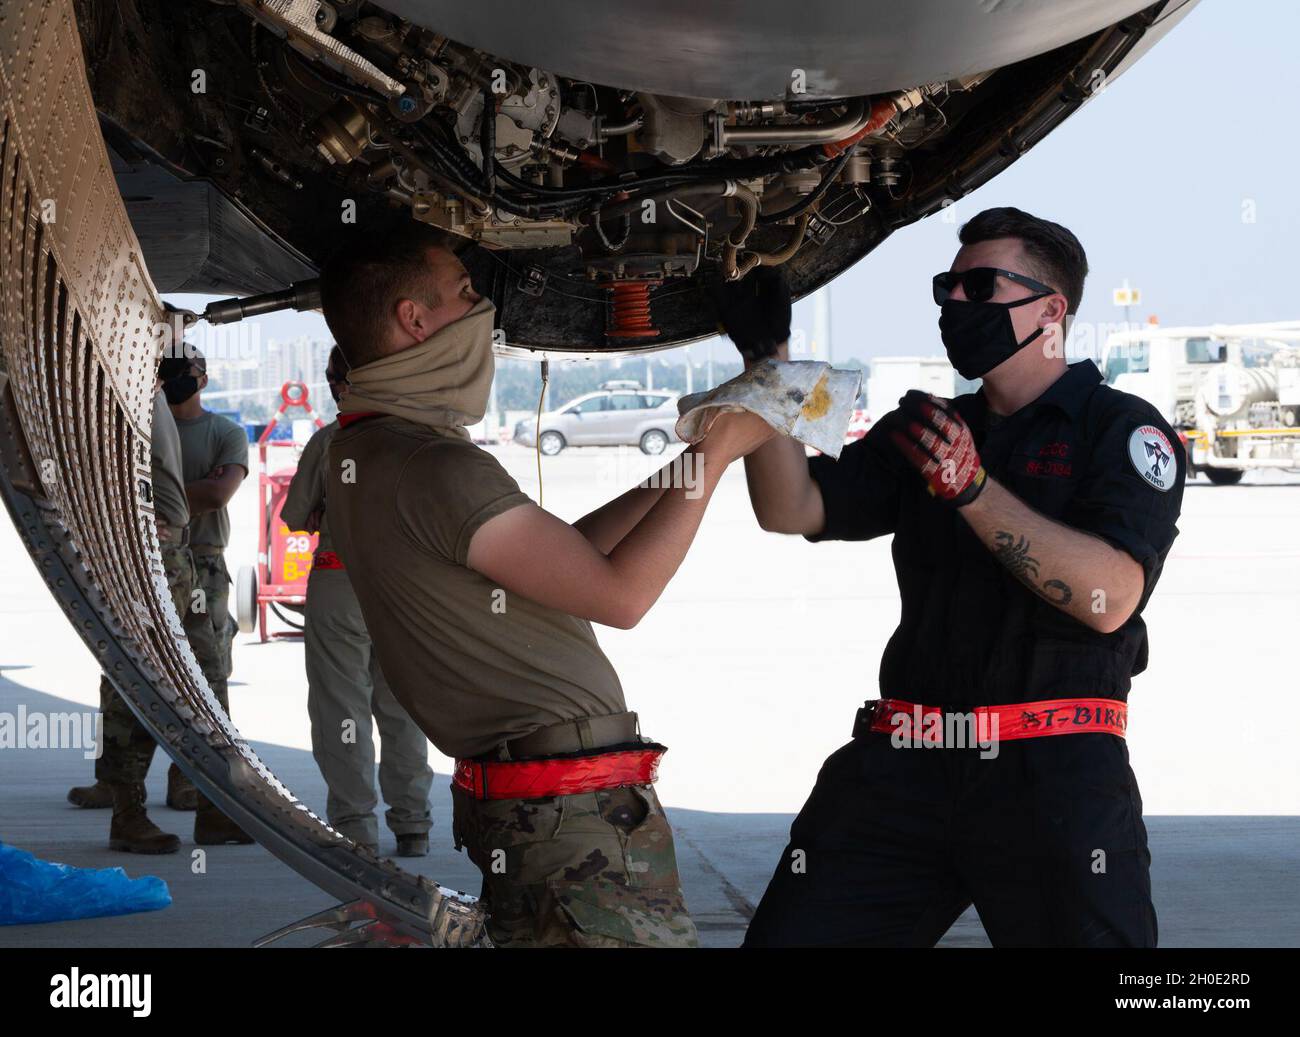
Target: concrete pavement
point(750, 668)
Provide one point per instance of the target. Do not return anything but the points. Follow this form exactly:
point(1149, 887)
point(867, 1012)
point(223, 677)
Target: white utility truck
point(1231, 391)
point(891, 376)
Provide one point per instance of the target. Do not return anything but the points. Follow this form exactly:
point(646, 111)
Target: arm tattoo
point(1057, 592)
point(1013, 552)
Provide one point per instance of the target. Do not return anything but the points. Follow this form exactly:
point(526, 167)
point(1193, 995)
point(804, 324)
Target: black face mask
point(979, 335)
point(180, 389)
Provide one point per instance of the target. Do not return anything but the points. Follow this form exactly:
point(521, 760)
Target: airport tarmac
point(750, 669)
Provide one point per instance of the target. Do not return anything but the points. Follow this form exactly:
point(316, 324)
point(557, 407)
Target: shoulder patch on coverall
point(1153, 456)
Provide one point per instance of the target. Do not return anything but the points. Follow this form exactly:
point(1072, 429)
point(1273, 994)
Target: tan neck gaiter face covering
point(442, 382)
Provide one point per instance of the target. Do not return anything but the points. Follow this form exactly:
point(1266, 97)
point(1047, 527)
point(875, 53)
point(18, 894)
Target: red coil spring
point(629, 310)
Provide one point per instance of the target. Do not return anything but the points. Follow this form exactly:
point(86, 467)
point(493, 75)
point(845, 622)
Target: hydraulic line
point(487, 140)
point(731, 169)
point(450, 173)
point(881, 113)
point(691, 187)
point(849, 123)
point(816, 196)
point(621, 129)
point(782, 255)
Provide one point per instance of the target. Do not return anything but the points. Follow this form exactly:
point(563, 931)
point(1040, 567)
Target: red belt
point(566, 776)
point(1017, 720)
point(327, 560)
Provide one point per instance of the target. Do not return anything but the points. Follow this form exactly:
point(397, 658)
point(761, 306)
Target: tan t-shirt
point(307, 489)
point(169, 502)
point(473, 664)
point(208, 442)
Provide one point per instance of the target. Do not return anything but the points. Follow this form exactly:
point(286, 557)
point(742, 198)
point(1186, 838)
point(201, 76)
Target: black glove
point(755, 311)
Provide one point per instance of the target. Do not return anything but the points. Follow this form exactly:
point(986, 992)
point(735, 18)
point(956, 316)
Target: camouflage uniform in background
point(595, 869)
point(128, 748)
point(212, 632)
point(209, 444)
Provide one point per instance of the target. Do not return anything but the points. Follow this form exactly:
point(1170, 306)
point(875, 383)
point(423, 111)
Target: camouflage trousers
point(212, 610)
point(128, 747)
point(595, 869)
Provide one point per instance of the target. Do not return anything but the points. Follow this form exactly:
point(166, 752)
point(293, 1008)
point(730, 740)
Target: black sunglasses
point(980, 282)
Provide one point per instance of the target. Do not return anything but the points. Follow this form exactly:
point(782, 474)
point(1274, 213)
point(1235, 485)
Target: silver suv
point(614, 416)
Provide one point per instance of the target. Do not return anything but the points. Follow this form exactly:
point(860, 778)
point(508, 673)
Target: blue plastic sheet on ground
point(33, 890)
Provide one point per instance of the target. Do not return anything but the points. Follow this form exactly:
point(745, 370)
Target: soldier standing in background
point(128, 747)
point(214, 454)
point(344, 682)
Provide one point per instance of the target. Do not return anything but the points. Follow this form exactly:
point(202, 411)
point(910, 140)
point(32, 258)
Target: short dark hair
point(366, 276)
point(1053, 252)
point(338, 360)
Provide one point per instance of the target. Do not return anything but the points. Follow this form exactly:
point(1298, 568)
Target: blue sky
point(1153, 175)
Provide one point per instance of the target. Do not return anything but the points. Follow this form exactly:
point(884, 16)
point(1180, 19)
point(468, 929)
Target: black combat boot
point(213, 828)
point(181, 793)
point(131, 831)
point(98, 796)
point(414, 844)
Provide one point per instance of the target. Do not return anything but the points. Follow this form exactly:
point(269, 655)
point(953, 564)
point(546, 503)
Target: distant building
point(252, 385)
point(892, 376)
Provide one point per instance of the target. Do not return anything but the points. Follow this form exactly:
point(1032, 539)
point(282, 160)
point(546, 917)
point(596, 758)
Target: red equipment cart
point(284, 556)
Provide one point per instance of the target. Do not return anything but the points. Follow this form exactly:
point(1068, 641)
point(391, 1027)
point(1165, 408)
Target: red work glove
point(935, 439)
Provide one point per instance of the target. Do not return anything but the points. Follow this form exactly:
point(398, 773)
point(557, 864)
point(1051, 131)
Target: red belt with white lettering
point(1015, 720)
point(327, 560)
point(557, 776)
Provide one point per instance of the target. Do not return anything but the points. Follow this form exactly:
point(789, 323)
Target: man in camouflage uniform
point(480, 607)
point(214, 455)
point(213, 579)
point(128, 748)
